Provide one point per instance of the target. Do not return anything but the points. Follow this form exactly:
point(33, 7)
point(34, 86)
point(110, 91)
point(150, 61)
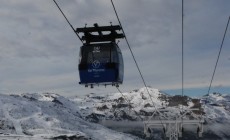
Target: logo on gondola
point(96, 64)
point(96, 49)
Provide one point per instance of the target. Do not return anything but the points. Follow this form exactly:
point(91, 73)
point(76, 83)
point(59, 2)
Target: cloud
point(39, 51)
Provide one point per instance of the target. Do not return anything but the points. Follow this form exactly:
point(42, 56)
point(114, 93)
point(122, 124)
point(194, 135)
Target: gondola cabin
point(101, 61)
point(101, 64)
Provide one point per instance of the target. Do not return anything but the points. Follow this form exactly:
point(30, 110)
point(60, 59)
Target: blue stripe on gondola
point(99, 74)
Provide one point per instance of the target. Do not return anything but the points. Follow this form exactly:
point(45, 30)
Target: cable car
point(101, 64)
point(101, 59)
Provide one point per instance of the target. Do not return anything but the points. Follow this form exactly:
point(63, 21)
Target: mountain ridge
point(50, 115)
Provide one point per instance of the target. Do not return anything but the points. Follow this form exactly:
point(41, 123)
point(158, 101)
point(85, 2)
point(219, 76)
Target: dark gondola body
point(101, 63)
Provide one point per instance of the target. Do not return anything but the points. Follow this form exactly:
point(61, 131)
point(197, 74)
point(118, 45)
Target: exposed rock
point(102, 108)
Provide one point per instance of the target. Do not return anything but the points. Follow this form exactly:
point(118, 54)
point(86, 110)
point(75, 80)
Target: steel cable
point(135, 59)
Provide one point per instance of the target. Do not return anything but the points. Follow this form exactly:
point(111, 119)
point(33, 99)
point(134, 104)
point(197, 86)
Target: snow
point(217, 110)
point(38, 116)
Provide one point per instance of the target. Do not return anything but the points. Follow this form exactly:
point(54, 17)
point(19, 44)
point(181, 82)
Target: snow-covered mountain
point(137, 105)
point(48, 116)
point(52, 116)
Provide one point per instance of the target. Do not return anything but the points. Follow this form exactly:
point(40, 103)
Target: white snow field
point(46, 116)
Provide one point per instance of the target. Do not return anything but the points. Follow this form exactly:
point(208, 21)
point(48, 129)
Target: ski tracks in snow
point(16, 122)
point(6, 108)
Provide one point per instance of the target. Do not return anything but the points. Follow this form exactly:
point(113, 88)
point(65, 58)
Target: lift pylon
point(173, 128)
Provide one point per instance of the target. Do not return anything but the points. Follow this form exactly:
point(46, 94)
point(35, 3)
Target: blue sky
point(39, 51)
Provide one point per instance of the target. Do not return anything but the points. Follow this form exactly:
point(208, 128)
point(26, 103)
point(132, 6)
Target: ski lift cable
point(182, 61)
point(134, 58)
point(221, 46)
point(68, 21)
point(182, 41)
point(131, 50)
point(216, 64)
point(182, 54)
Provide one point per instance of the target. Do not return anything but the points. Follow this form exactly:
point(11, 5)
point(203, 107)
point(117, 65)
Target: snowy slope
point(137, 105)
point(217, 107)
point(48, 115)
point(217, 114)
